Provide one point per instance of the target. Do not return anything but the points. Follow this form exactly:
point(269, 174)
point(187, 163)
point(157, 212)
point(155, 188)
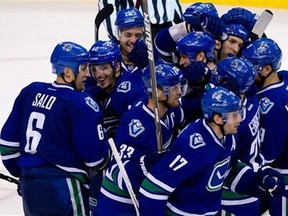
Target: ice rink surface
point(28, 34)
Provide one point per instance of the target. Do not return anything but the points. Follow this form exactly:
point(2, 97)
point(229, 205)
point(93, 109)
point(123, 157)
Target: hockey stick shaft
point(125, 175)
point(149, 42)
point(137, 4)
point(261, 24)
point(9, 179)
point(105, 12)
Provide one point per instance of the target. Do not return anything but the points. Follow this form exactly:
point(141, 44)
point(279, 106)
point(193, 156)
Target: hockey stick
point(149, 42)
point(9, 179)
point(137, 4)
point(105, 12)
point(261, 24)
point(125, 176)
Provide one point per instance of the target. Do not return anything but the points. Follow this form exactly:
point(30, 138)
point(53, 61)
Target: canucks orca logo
point(124, 87)
point(218, 174)
point(196, 141)
point(135, 128)
point(91, 103)
point(265, 105)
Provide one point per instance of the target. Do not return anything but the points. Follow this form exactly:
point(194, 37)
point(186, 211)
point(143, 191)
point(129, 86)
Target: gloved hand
point(139, 54)
point(241, 16)
point(147, 161)
point(271, 181)
point(196, 72)
point(208, 23)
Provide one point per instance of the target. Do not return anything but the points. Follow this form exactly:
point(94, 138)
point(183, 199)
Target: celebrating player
point(136, 137)
point(53, 136)
point(266, 56)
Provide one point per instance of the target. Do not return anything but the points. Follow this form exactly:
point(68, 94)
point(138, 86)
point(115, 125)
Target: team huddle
point(219, 94)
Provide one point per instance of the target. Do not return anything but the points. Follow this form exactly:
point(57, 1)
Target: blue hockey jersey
point(274, 124)
point(51, 124)
point(136, 137)
point(128, 90)
point(188, 180)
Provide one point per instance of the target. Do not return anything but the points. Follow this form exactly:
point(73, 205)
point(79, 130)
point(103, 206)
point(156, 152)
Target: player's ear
point(267, 70)
point(218, 119)
point(68, 74)
point(117, 69)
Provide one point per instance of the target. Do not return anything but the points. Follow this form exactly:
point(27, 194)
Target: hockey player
point(161, 13)
point(237, 75)
point(136, 138)
point(189, 178)
point(266, 56)
point(198, 17)
point(237, 39)
point(52, 136)
point(196, 60)
point(130, 27)
point(116, 90)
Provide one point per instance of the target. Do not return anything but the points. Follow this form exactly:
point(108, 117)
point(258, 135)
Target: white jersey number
point(32, 136)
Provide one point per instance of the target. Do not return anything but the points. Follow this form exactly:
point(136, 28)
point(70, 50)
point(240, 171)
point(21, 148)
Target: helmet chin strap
point(263, 78)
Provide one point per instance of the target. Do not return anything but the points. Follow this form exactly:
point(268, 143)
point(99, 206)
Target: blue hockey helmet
point(103, 52)
point(68, 54)
point(219, 100)
point(262, 52)
point(195, 42)
point(200, 8)
point(237, 30)
point(235, 74)
point(166, 77)
point(129, 18)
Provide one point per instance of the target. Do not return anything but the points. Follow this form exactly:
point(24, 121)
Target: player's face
point(185, 59)
point(82, 77)
point(231, 47)
point(128, 37)
point(233, 122)
point(175, 93)
point(104, 75)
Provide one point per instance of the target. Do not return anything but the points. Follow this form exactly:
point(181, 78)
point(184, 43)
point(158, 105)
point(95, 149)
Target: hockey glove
point(139, 54)
point(196, 72)
point(204, 22)
point(241, 16)
point(271, 181)
point(148, 161)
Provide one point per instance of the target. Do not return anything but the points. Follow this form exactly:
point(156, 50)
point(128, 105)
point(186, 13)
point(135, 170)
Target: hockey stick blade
point(105, 12)
point(261, 24)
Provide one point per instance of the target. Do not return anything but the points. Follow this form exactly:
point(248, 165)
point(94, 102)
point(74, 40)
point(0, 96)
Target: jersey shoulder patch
point(265, 105)
point(91, 103)
point(135, 128)
point(196, 141)
point(124, 87)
